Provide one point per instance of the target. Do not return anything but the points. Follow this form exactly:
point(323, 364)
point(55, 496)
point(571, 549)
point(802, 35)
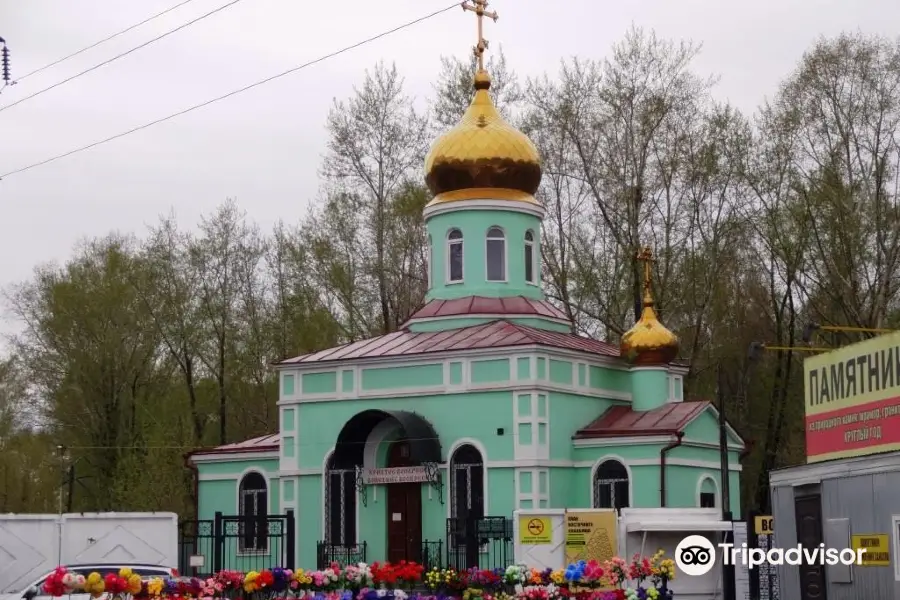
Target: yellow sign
point(535, 530)
point(764, 525)
point(590, 535)
point(877, 550)
point(852, 399)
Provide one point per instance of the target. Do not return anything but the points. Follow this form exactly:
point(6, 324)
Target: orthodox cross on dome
point(645, 255)
point(479, 7)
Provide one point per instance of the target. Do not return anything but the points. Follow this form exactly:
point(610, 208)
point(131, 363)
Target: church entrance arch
point(404, 510)
point(417, 449)
point(423, 441)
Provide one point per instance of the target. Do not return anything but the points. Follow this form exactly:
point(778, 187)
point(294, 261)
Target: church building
point(484, 402)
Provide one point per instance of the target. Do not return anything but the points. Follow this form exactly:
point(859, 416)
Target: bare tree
point(376, 146)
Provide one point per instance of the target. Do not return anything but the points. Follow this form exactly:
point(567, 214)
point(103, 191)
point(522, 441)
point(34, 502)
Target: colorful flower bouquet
point(641, 579)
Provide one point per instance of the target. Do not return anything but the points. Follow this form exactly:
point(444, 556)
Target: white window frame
point(429, 262)
point(487, 240)
point(595, 483)
point(448, 245)
point(895, 537)
point(453, 467)
point(255, 493)
point(716, 495)
point(329, 495)
point(530, 247)
point(676, 383)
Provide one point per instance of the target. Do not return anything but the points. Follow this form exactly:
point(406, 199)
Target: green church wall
point(581, 378)
point(649, 388)
point(287, 446)
point(347, 381)
point(600, 378)
point(401, 377)
point(456, 373)
point(221, 468)
point(561, 371)
point(568, 414)
point(569, 488)
point(287, 384)
point(523, 367)
point(288, 420)
point(501, 491)
point(474, 414)
point(319, 383)
point(310, 519)
point(706, 427)
point(490, 371)
point(474, 225)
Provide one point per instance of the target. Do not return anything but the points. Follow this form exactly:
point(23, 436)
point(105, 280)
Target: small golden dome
point(483, 156)
point(649, 342)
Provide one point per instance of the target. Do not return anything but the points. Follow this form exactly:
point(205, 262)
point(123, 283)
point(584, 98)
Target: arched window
point(455, 255)
point(611, 485)
point(340, 505)
point(529, 257)
point(496, 254)
point(253, 527)
point(466, 488)
point(707, 492)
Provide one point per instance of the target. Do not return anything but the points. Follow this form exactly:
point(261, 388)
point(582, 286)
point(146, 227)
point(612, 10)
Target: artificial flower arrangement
point(641, 579)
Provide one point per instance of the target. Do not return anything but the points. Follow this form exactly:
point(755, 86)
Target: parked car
point(36, 591)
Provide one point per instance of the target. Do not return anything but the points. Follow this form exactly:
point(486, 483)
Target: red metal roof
point(265, 443)
point(670, 418)
point(496, 334)
point(482, 305)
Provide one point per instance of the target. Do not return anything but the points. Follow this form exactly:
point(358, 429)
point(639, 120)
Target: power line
point(117, 57)
point(104, 40)
point(318, 444)
point(235, 92)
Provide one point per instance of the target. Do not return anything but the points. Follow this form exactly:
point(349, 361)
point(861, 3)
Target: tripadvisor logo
point(696, 555)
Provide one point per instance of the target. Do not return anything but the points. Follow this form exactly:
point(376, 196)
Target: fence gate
point(235, 542)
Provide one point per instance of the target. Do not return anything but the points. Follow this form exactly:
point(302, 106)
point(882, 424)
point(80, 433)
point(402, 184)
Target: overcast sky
point(263, 147)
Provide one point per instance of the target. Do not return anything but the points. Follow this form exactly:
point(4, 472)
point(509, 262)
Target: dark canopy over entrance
point(424, 445)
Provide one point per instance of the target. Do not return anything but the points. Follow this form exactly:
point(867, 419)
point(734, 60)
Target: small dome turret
point(649, 342)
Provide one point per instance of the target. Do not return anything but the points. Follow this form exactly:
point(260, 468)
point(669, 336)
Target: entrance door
point(808, 513)
point(404, 511)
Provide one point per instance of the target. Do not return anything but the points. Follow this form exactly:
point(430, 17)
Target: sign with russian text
point(535, 530)
point(877, 549)
point(590, 535)
point(852, 398)
point(395, 475)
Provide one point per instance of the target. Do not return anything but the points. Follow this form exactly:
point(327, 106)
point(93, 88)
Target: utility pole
point(4, 64)
point(724, 474)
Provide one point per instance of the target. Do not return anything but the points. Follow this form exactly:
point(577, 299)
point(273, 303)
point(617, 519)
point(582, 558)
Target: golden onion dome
point(649, 342)
point(483, 156)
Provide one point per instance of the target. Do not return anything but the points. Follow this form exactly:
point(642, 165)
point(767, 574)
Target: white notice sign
point(741, 570)
point(395, 475)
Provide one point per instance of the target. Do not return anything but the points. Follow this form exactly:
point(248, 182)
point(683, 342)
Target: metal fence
point(239, 543)
point(482, 542)
point(327, 553)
